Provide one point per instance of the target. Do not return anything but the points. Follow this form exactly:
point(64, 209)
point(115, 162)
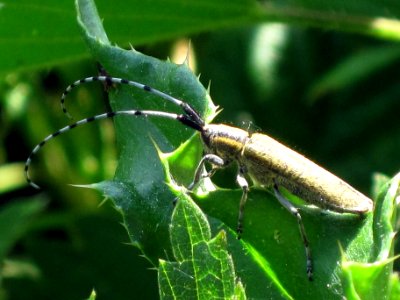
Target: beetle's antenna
point(184, 119)
point(189, 110)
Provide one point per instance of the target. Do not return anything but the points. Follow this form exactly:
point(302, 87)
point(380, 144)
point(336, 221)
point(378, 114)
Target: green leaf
point(203, 267)
point(354, 69)
point(394, 287)
point(372, 280)
point(50, 33)
point(92, 295)
point(385, 219)
point(272, 242)
point(138, 188)
point(270, 259)
point(46, 28)
point(14, 221)
point(367, 281)
point(271, 237)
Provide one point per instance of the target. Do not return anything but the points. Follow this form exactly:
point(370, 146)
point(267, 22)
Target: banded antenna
point(190, 116)
point(110, 80)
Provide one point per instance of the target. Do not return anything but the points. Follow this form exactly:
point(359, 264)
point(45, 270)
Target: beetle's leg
point(244, 185)
point(295, 212)
point(201, 173)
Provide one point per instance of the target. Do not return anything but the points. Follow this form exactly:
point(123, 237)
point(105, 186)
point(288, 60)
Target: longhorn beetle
point(259, 157)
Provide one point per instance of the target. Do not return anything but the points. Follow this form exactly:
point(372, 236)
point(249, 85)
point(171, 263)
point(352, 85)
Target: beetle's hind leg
point(295, 212)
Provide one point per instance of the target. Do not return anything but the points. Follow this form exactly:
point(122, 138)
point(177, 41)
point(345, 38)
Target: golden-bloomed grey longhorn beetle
point(259, 157)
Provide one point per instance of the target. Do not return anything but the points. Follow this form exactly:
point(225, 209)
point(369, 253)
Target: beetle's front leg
point(200, 173)
point(244, 185)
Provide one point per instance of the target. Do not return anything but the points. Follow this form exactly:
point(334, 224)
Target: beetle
point(259, 157)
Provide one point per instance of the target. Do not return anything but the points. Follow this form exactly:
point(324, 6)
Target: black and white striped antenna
point(190, 117)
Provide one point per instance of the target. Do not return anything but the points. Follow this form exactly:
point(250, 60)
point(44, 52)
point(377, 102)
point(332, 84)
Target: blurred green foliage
point(332, 95)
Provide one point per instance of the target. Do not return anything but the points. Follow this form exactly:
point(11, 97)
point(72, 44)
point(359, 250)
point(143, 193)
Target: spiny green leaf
point(203, 267)
point(139, 188)
point(270, 259)
point(385, 219)
point(272, 242)
point(372, 280)
point(367, 281)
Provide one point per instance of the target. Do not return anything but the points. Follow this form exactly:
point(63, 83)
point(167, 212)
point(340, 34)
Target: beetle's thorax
point(225, 141)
